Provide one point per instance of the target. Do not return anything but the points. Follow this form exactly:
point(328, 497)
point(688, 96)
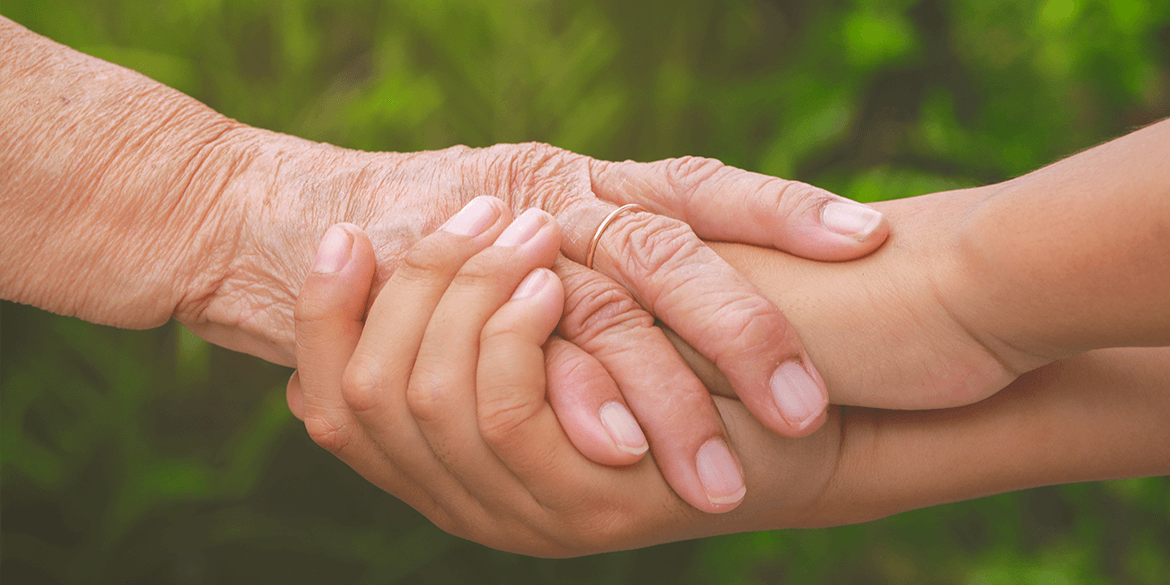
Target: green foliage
point(151, 457)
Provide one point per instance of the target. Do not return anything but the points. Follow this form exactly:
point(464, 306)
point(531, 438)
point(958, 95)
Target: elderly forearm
point(111, 186)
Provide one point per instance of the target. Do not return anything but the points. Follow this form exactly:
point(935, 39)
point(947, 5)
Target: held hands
point(440, 398)
point(648, 265)
point(190, 215)
point(886, 330)
point(875, 323)
point(889, 330)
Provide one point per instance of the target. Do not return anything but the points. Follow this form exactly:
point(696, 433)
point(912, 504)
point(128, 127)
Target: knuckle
point(581, 372)
point(458, 150)
point(689, 406)
point(426, 259)
point(425, 396)
point(328, 431)
point(517, 167)
point(502, 417)
point(532, 174)
point(312, 308)
point(753, 325)
point(499, 334)
point(795, 198)
point(599, 305)
point(688, 172)
point(361, 385)
point(650, 243)
point(486, 270)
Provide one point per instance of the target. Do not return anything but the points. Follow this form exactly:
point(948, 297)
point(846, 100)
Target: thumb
point(329, 320)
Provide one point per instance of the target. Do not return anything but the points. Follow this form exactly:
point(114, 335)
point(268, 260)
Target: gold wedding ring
point(601, 229)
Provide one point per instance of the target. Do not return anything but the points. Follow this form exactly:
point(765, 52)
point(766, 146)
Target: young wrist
point(988, 293)
point(1069, 256)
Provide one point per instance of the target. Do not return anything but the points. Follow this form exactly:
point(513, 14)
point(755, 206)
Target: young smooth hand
point(439, 397)
point(976, 287)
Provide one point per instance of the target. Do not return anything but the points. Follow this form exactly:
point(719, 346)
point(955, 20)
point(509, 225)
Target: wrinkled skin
point(649, 265)
point(130, 203)
point(439, 397)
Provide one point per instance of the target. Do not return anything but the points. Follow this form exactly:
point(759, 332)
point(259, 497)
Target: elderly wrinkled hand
point(184, 213)
point(648, 264)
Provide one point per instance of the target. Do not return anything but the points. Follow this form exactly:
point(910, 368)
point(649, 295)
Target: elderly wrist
point(236, 285)
point(286, 192)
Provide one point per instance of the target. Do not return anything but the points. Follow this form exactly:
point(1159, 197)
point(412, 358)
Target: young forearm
point(974, 289)
point(1097, 416)
point(882, 338)
point(111, 188)
point(1076, 255)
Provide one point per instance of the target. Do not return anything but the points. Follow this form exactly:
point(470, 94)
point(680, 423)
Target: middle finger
point(441, 395)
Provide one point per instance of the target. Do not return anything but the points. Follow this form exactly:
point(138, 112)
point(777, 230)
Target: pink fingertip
point(532, 284)
point(719, 473)
point(333, 253)
point(851, 219)
point(622, 428)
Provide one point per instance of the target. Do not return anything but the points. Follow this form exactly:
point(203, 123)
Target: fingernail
point(473, 219)
point(797, 396)
point(531, 284)
point(622, 428)
point(851, 219)
point(333, 253)
point(523, 228)
point(719, 474)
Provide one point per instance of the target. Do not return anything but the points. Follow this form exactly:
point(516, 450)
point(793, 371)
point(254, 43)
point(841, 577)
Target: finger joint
point(328, 431)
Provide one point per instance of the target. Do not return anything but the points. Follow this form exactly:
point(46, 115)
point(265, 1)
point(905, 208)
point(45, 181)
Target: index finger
point(685, 284)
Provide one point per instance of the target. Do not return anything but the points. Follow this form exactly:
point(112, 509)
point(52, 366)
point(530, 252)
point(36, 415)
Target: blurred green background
point(151, 457)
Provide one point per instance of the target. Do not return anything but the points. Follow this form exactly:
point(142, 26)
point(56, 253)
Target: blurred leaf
point(875, 38)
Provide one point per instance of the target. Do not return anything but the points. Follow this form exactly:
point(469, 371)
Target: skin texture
point(1074, 255)
point(918, 324)
point(127, 203)
point(467, 436)
point(885, 328)
point(964, 297)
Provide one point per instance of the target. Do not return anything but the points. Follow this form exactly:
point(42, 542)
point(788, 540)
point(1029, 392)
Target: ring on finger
point(601, 229)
